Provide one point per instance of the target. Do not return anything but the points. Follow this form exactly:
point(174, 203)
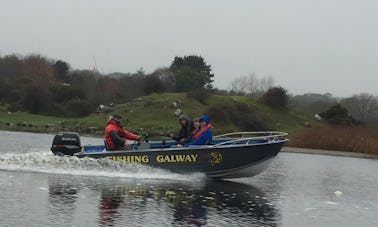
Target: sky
point(317, 46)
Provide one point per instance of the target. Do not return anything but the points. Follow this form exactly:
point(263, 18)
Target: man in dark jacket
point(185, 134)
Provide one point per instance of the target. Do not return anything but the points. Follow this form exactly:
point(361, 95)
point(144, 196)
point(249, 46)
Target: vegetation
point(155, 114)
point(276, 97)
point(362, 107)
point(38, 85)
point(251, 85)
point(362, 139)
point(44, 95)
point(338, 115)
point(191, 73)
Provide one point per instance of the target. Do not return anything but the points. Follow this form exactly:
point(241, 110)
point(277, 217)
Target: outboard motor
point(66, 143)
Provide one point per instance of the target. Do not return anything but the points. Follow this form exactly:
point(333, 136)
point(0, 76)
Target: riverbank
point(328, 152)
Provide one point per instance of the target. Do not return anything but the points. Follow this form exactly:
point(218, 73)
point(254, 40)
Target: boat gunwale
point(194, 147)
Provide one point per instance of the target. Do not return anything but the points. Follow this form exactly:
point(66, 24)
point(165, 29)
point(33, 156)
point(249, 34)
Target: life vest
point(200, 132)
point(123, 133)
point(195, 133)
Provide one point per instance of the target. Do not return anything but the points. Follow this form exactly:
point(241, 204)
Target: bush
point(338, 115)
point(201, 95)
point(78, 108)
point(276, 98)
point(238, 114)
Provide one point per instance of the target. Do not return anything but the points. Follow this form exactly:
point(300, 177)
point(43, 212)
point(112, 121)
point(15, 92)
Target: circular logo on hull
point(216, 158)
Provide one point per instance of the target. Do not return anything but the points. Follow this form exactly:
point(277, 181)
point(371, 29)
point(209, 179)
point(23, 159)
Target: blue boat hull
point(228, 161)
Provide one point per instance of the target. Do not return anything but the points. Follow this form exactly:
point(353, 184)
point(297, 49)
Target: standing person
point(116, 135)
point(185, 134)
point(205, 135)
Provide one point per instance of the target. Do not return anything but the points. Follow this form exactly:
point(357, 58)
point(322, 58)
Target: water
point(40, 189)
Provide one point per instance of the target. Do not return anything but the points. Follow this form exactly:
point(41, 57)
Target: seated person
point(116, 135)
point(205, 135)
point(185, 134)
point(197, 128)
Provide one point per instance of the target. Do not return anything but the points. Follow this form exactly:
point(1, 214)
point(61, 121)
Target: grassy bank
point(361, 139)
point(154, 114)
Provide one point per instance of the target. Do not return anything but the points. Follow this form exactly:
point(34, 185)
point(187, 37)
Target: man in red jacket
point(116, 135)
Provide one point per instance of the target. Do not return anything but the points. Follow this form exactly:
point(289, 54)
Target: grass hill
point(155, 114)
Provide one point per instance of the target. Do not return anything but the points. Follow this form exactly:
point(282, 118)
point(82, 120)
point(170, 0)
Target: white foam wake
point(46, 162)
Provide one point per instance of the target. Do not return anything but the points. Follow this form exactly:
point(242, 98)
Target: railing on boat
point(243, 138)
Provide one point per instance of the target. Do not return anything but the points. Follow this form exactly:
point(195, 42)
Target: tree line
point(39, 85)
point(357, 109)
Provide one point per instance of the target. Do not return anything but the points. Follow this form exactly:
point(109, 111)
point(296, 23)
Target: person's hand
point(138, 137)
point(126, 146)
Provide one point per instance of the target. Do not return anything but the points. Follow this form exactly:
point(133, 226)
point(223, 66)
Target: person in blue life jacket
point(205, 135)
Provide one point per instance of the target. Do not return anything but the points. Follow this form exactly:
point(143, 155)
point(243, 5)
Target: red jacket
point(116, 135)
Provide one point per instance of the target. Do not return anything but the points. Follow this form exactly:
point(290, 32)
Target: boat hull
point(229, 161)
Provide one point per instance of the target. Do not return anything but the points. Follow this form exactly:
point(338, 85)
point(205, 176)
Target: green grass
point(154, 114)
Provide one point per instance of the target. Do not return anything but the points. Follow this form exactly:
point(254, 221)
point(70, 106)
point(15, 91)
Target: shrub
point(276, 98)
point(338, 115)
point(78, 108)
point(238, 114)
point(201, 95)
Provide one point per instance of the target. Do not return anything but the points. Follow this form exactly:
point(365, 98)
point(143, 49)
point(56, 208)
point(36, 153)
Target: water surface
point(40, 189)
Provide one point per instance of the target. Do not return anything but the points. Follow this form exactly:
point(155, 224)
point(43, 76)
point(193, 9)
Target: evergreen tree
point(191, 73)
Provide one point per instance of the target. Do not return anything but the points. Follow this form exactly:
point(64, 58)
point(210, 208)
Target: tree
point(166, 77)
point(251, 85)
point(338, 115)
point(10, 67)
point(313, 103)
point(276, 97)
point(363, 107)
point(191, 72)
point(61, 70)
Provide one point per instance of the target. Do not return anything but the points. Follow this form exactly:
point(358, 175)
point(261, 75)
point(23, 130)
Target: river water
point(40, 189)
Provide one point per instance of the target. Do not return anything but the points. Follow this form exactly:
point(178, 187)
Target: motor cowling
point(66, 143)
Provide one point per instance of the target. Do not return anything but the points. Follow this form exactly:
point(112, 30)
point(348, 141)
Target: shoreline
point(328, 152)
point(284, 149)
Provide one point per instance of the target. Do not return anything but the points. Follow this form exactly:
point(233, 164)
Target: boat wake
point(46, 162)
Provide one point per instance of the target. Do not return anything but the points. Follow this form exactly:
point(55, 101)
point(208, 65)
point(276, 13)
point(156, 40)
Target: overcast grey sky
point(305, 45)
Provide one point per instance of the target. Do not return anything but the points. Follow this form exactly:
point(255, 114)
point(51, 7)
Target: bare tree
point(251, 84)
point(238, 85)
point(364, 106)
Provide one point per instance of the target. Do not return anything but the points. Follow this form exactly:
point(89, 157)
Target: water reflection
point(213, 203)
point(154, 202)
point(62, 199)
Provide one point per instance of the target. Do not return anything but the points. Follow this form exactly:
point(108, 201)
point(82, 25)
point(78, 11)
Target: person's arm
point(202, 139)
point(173, 136)
point(117, 140)
point(188, 134)
point(130, 135)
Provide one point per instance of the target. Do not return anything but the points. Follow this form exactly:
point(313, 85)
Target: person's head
point(204, 120)
point(183, 119)
point(196, 122)
point(116, 118)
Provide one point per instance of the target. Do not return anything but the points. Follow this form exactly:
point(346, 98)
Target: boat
point(231, 155)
